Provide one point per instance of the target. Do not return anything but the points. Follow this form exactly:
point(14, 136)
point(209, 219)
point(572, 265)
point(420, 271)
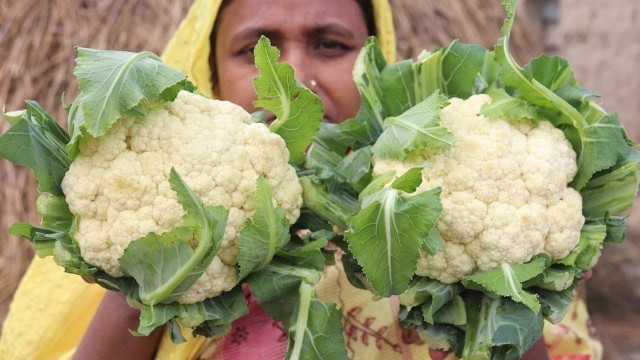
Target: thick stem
point(306, 293)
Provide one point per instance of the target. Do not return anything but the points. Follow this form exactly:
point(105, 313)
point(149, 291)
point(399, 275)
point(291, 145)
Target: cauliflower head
point(119, 191)
point(504, 193)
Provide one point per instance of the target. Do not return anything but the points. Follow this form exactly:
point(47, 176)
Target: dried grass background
point(36, 62)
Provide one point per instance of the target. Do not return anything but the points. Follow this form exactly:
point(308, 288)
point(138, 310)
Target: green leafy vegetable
point(498, 328)
point(416, 128)
point(165, 266)
point(507, 279)
point(209, 317)
point(38, 142)
point(317, 328)
point(409, 181)
point(504, 106)
point(114, 82)
point(298, 111)
point(326, 205)
point(265, 232)
point(430, 294)
point(387, 235)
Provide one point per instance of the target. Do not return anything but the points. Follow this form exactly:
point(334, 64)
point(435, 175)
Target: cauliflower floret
point(449, 265)
point(118, 185)
point(504, 192)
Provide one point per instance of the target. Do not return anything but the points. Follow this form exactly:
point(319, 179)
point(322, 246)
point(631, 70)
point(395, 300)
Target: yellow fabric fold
point(49, 313)
point(189, 47)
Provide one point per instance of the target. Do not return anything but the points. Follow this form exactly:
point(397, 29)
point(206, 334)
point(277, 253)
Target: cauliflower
point(504, 192)
point(181, 202)
point(477, 190)
point(118, 184)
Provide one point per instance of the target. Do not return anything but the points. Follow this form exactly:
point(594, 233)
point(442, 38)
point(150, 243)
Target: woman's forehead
point(245, 16)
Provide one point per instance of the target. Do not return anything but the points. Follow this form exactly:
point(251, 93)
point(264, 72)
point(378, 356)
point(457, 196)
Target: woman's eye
point(246, 52)
point(331, 48)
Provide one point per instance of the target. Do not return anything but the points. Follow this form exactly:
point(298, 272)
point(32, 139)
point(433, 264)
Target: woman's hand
point(108, 336)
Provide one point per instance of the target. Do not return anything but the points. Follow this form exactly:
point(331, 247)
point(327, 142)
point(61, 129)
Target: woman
point(320, 39)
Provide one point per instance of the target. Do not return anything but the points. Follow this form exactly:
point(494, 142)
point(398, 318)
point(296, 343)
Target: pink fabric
point(254, 336)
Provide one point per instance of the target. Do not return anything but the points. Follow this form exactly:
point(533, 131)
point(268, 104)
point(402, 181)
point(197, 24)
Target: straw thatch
point(36, 62)
point(425, 24)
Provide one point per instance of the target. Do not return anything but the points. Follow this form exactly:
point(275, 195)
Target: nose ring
point(313, 83)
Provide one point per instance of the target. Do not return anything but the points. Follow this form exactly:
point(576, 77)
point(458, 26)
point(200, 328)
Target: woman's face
point(320, 39)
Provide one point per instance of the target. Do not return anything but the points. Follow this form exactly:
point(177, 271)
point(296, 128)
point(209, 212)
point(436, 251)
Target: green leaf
point(306, 256)
point(367, 72)
point(329, 207)
point(499, 328)
point(585, 255)
point(440, 296)
point(387, 235)
point(15, 144)
point(12, 117)
point(276, 292)
point(43, 240)
point(556, 278)
point(114, 82)
point(453, 312)
point(461, 66)
point(504, 106)
point(21, 229)
point(430, 294)
point(175, 332)
point(54, 211)
point(555, 304)
point(442, 336)
point(356, 168)
point(616, 229)
point(398, 84)
point(614, 190)
point(433, 243)
point(276, 285)
point(552, 72)
point(507, 279)
point(409, 181)
point(573, 95)
point(211, 313)
point(354, 273)
point(417, 128)
point(75, 124)
point(166, 265)
point(264, 233)
point(57, 243)
point(316, 329)
point(375, 187)
point(298, 110)
point(459, 70)
point(39, 143)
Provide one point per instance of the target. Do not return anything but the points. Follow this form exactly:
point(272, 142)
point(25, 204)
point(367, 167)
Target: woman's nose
point(302, 66)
